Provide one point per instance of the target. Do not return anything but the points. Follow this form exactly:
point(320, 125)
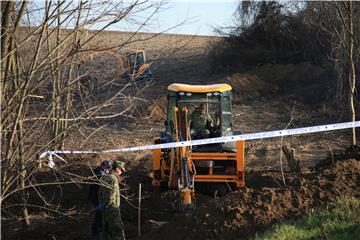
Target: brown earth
point(263, 202)
point(237, 215)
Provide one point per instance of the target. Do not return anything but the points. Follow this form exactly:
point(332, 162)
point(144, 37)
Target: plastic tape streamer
point(248, 136)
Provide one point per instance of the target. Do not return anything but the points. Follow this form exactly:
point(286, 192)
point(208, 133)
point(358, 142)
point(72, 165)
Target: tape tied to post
point(233, 138)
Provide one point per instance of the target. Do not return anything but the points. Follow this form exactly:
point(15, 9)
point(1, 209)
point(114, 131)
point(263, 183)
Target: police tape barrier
point(225, 139)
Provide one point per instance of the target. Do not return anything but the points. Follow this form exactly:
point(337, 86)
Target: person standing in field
point(109, 203)
point(101, 170)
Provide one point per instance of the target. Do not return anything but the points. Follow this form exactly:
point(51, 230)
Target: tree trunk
point(73, 74)
point(56, 127)
point(6, 10)
point(352, 74)
point(339, 71)
point(26, 220)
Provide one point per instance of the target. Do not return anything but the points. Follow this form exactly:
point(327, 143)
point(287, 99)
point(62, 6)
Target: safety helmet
point(106, 164)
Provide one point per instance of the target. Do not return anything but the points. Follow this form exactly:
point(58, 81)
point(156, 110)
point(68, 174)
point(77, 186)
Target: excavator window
point(213, 125)
point(203, 113)
point(136, 59)
point(218, 106)
point(226, 116)
point(139, 58)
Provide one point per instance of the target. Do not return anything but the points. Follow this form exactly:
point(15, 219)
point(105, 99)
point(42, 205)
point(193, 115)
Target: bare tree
point(45, 93)
point(351, 65)
point(339, 20)
point(347, 39)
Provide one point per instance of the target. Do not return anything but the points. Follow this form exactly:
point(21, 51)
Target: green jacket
point(109, 193)
point(200, 120)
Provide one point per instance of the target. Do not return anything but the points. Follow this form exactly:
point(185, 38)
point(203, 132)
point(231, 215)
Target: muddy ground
point(236, 215)
point(263, 202)
point(259, 105)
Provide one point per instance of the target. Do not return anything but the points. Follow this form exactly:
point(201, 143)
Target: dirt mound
point(353, 152)
point(301, 82)
point(243, 213)
point(249, 85)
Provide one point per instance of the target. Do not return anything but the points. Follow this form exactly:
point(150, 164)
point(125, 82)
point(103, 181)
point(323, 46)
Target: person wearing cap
point(102, 169)
point(109, 203)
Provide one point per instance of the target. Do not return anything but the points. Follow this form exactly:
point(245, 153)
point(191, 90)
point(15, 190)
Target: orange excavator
point(186, 167)
point(138, 67)
point(135, 67)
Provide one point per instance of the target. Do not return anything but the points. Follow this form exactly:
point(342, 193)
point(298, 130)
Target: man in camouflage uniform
point(109, 203)
point(200, 122)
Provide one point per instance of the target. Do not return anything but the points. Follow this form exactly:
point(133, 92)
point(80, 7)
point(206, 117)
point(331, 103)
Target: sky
point(194, 17)
point(198, 17)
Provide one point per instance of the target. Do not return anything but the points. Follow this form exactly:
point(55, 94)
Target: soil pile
point(249, 85)
point(301, 82)
point(263, 202)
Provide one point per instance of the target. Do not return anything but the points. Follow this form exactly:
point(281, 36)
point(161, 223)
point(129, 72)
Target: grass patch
point(340, 221)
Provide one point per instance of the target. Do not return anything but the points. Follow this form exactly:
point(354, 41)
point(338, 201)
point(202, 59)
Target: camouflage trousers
point(113, 227)
point(199, 133)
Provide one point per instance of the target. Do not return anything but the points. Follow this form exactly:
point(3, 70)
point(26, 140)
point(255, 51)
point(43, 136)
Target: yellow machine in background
point(180, 168)
point(135, 67)
point(138, 67)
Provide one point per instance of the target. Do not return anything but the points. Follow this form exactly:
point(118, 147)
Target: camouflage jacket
point(109, 193)
point(200, 120)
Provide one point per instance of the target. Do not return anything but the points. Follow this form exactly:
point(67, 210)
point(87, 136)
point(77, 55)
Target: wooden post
point(39, 164)
point(294, 165)
point(139, 212)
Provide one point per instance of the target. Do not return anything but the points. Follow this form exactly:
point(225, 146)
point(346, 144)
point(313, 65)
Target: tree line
point(324, 33)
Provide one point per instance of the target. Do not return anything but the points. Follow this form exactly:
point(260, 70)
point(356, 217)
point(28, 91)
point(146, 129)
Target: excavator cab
point(207, 107)
point(137, 65)
point(217, 102)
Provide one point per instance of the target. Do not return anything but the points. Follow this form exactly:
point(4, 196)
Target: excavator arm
point(176, 164)
point(187, 168)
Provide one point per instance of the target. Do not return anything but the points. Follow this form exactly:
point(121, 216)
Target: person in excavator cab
point(200, 123)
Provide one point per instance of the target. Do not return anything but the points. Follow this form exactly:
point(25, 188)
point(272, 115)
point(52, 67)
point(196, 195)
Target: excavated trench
point(265, 201)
